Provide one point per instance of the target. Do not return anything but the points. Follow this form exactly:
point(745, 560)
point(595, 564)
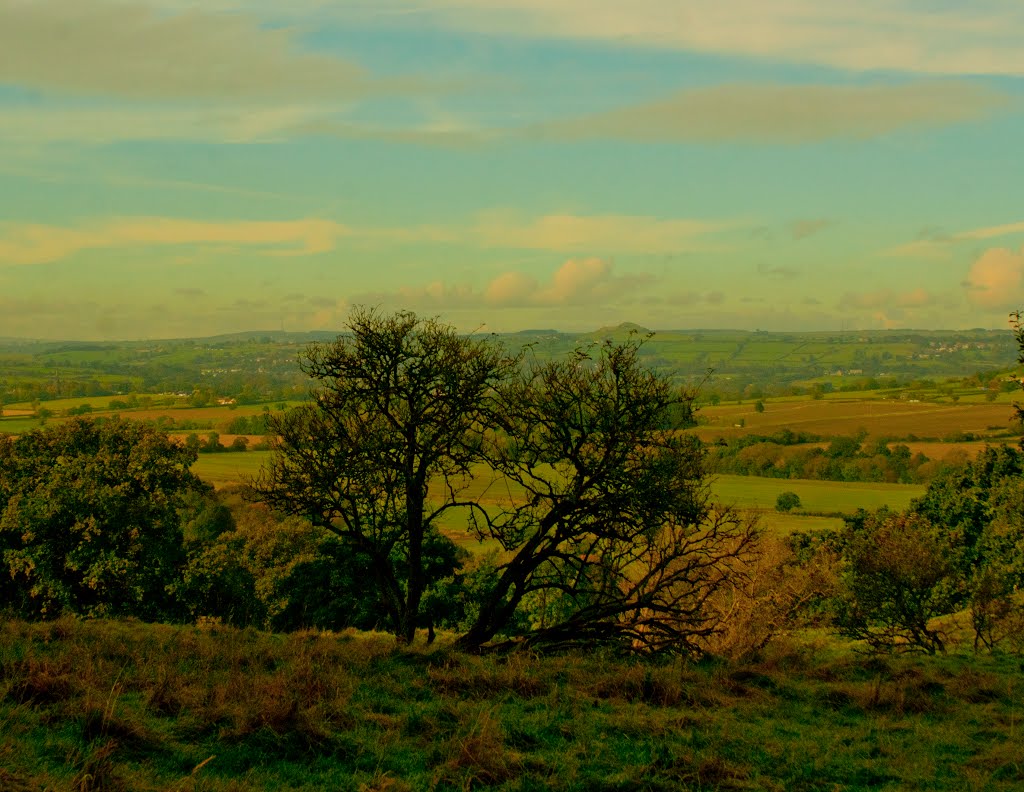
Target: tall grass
point(127, 706)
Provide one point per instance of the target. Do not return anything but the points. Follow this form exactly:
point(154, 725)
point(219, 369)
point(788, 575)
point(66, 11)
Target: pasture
point(879, 418)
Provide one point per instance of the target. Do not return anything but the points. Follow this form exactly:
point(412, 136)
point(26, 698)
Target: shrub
point(787, 501)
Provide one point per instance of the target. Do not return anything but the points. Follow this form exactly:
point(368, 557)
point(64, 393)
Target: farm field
point(751, 492)
point(747, 493)
point(830, 417)
point(225, 469)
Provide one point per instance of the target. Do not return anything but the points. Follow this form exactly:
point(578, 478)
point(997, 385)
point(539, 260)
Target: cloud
point(577, 282)
point(889, 308)
point(993, 231)
point(996, 279)
point(779, 113)
point(780, 272)
point(887, 299)
point(980, 37)
point(936, 244)
point(25, 243)
point(129, 50)
point(604, 234)
point(801, 229)
point(562, 233)
point(57, 123)
point(39, 244)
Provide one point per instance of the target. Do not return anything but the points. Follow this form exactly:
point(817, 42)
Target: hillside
point(128, 706)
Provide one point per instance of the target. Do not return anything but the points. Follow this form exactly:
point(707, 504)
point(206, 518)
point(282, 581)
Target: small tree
point(787, 501)
point(897, 577)
point(1018, 334)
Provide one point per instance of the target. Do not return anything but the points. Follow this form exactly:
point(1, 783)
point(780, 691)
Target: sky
point(172, 168)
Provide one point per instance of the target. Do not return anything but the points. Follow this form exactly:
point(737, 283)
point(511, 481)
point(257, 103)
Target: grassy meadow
point(99, 705)
point(846, 416)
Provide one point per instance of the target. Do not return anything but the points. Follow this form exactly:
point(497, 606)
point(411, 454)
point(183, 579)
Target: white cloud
point(980, 37)
point(939, 246)
point(996, 279)
point(36, 243)
point(129, 50)
point(992, 232)
point(594, 234)
point(22, 244)
point(577, 282)
point(778, 113)
point(100, 125)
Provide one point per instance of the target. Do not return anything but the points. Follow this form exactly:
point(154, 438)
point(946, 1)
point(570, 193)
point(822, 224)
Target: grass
point(879, 418)
point(233, 468)
point(815, 496)
point(126, 706)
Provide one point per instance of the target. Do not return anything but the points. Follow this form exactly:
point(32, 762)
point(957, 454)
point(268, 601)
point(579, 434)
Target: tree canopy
point(90, 519)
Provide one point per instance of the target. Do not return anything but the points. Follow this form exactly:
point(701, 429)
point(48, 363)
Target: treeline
point(104, 519)
point(801, 455)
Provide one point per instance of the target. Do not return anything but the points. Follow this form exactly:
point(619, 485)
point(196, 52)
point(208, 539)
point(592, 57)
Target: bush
point(787, 501)
point(897, 577)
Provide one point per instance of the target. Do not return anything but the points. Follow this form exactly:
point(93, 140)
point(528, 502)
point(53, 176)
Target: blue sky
point(173, 168)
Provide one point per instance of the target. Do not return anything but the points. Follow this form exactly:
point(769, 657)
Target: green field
point(224, 469)
point(815, 496)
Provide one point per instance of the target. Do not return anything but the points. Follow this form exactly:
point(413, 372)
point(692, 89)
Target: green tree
point(897, 576)
point(787, 501)
point(90, 519)
point(1018, 334)
point(387, 444)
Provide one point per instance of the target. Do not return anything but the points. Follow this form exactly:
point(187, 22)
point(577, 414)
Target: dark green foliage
point(844, 459)
point(90, 519)
point(787, 501)
point(958, 548)
point(611, 534)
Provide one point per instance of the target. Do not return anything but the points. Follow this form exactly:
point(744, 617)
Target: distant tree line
point(802, 455)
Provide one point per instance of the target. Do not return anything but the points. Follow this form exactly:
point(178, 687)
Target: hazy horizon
point(170, 169)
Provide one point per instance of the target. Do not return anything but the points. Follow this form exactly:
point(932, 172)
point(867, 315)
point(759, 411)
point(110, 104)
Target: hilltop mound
point(621, 329)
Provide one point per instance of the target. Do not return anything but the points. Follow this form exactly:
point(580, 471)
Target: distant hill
point(614, 331)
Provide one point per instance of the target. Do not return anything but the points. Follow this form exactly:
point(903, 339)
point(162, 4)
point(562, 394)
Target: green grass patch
point(815, 496)
point(229, 468)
